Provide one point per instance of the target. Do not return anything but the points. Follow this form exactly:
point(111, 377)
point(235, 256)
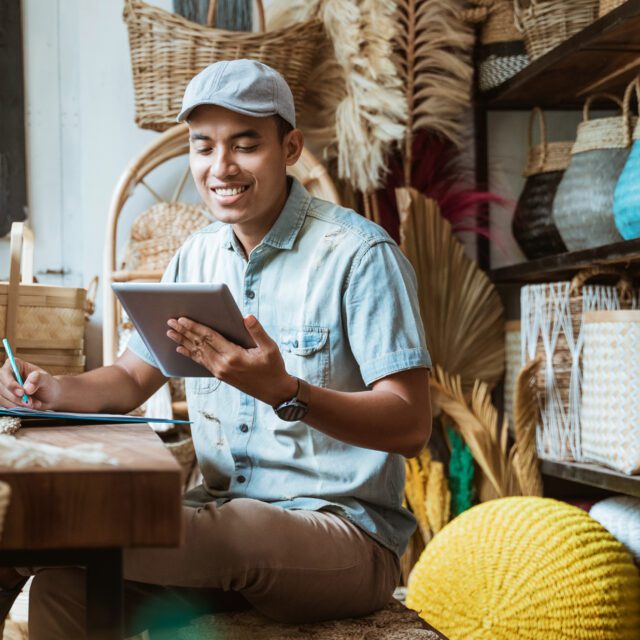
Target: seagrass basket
point(548, 23)
point(501, 53)
point(583, 205)
point(626, 198)
point(168, 50)
point(533, 226)
point(44, 324)
point(611, 390)
point(551, 325)
point(608, 5)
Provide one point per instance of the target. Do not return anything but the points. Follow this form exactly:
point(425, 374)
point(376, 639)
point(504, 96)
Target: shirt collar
point(284, 231)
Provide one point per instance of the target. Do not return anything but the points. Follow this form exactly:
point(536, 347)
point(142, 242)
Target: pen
point(14, 368)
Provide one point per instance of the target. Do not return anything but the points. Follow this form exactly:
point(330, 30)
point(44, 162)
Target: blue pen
point(14, 368)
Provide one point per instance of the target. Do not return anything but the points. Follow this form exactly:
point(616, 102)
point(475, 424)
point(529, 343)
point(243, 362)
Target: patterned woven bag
point(610, 419)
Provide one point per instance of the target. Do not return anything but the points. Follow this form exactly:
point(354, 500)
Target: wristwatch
point(296, 408)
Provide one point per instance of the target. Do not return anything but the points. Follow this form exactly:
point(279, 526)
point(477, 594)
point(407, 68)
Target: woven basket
point(548, 23)
point(501, 53)
point(611, 390)
point(551, 317)
point(608, 5)
point(512, 363)
point(184, 452)
point(620, 515)
point(168, 50)
point(583, 205)
point(44, 324)
point(626, 198)
point(533, 226)
point(532, 568)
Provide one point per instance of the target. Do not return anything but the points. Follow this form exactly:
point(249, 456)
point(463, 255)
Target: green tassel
point(461, 471)
point(233, 15)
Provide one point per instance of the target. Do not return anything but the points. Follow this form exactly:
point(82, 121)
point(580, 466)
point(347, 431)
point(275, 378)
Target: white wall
point(81, 135)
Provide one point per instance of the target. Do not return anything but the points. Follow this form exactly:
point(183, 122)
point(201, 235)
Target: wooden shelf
point(592, 475)
point(564, 265)
point(603, 57)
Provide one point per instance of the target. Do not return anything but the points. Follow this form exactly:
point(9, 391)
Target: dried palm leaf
point(434, 46)
point(478, 423)
point(438, 499)
point(461, 310)
point(526, 413)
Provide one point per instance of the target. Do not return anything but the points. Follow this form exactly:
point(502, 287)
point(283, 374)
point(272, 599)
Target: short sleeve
point(382, 314)
point(136, 344)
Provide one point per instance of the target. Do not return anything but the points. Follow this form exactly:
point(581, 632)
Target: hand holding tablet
point(150, 305)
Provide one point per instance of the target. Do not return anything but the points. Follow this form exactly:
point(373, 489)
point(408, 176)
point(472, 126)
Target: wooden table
point(77, 514)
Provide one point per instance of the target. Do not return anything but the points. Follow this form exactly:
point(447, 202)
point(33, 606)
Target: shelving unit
point(604, 57)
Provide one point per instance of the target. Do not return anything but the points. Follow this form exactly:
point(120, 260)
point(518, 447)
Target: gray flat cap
point(244, 86)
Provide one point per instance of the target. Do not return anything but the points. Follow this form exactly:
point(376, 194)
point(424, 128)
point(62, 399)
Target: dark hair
point(284, 127)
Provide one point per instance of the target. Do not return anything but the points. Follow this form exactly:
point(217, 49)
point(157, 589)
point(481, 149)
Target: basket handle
point(626, 107)
point(624, 284)
point(21, 263)
point(591, 98)
point(90, 299)
point(211, 14)
point(537, 111)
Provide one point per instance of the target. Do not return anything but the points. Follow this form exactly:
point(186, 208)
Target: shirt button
point(244, 428)
point(241, 479)
point(250, 294)
point(295, 344)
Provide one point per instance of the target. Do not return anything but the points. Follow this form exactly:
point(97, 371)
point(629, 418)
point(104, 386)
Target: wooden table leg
point(104, 595)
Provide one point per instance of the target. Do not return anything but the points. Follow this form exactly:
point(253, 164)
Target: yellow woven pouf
point(527, 569)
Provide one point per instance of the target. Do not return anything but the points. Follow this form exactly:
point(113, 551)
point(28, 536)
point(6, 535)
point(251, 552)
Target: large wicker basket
point(547, 23)
point(533, 226)
point(44, 324)
point(168, 50)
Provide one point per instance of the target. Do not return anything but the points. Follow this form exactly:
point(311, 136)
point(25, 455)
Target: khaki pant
point(292, 566)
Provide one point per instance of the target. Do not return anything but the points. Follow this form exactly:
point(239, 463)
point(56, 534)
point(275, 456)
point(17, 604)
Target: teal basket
point(626, 199)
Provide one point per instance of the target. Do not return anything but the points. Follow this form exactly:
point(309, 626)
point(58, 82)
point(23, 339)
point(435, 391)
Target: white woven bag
point(620, 515)
point(610, 416)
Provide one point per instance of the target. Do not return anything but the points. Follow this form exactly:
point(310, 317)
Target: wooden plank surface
point(80, 505)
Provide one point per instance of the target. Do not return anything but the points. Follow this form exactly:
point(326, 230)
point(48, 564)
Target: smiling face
point(239, 166)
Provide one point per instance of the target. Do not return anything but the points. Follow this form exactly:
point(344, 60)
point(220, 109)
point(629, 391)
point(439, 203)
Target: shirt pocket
point(305, 351)
point(199, 386)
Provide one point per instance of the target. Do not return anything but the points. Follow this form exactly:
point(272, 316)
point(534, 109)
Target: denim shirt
point(338, 296)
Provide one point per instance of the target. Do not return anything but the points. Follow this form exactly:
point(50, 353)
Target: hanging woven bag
point(583, 205)
point(168, 50)
point(547, 23)
point(533, 226)
point(611, 390)
point(626, 198)
point(501, 52)
point(551, 329)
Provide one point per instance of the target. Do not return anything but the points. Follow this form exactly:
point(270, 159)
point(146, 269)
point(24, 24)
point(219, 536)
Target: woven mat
point(395, 621)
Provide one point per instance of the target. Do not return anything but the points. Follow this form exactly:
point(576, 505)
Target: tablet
point(150, 304)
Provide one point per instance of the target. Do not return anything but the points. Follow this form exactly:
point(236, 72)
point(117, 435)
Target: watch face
point(291, 412)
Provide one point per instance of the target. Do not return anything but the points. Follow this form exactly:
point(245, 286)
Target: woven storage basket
point(533, 226)
point(532, 568)
point(44, 324)
point(611, 390)
point(620, 515)
point(168, 50)
point(551, 325)
point(608, 5)
point(501, 53)
point(583, 205)
point(626, 198)
point(512, 363)
point(548, 23)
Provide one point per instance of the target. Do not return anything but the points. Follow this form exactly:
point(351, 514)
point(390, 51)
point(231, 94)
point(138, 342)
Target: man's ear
point(293, 145)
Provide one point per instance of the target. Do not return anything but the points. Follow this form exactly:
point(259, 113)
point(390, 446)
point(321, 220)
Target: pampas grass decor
point(434, 46)
point(461, 310)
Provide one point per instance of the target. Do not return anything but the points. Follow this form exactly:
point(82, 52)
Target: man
point(300, 439)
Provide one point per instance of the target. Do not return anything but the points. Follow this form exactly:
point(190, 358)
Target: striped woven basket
point(611, 390)
point(168, 50)
point(583, 205)
point(626, 198)
point(551, 325)
point(532, 225)
point(533, 568)
point(608, 5)
point(548, 23)
point(620, 515)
